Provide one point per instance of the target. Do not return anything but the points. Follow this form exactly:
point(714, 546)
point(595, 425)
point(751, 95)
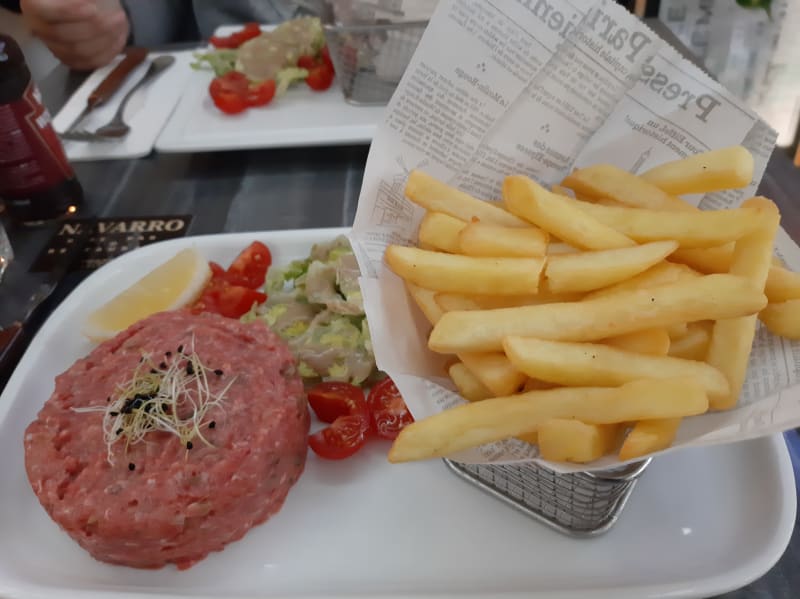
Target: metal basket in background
point(370, 59)
point(581, 504)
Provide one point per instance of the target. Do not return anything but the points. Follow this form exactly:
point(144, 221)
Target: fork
point(117, 127)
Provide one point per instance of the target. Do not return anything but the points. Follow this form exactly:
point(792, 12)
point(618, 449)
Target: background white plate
point(301, 117)
point(700, 521)
point(146, 113)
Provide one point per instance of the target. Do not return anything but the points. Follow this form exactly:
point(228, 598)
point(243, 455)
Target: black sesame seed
point(153, 371)
point(212, 424)
point(141, 359)
point(189, 445)
point(180, 349)
point(189, 368)
point(131, 466)
point(218, 372)
point(108, 399)
point(163, 366)
point(168, 354)
point(119, 431)
point(112, 414)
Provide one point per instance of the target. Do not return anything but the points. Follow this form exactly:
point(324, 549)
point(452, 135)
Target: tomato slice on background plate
point(237, 38)
point(320, 78)
point(261, 94)
point(388, 410)
point(233, 92)
point(229, 92)
point(341, 439)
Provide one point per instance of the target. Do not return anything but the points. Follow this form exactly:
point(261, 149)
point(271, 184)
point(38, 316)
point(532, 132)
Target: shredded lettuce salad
point(316, 306)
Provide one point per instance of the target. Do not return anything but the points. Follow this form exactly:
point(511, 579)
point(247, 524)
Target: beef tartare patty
point(162, 499)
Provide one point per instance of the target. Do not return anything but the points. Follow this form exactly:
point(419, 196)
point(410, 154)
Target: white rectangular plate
point(301, 117)
point(700, 522)
point(146, 112)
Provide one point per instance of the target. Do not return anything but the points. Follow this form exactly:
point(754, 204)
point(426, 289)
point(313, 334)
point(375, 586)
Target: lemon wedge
point(174, 284)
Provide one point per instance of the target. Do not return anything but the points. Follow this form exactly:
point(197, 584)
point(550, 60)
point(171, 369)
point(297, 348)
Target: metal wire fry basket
point(370, 59)
point(582, 504)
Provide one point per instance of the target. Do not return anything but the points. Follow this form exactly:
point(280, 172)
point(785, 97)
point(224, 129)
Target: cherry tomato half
point(341, 439)
point(306, 62)
point(249, 269)
point(326, 57)
point(232, 301)
point(330, 400)
point(320, 78)
point(229, 92)
point(389, 412)
point(261, 94)
point(237, 38)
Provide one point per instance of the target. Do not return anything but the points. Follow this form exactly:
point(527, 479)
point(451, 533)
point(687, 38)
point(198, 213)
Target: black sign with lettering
point(110, 237)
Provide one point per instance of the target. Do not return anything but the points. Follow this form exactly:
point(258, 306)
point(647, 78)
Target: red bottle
point(37, 183)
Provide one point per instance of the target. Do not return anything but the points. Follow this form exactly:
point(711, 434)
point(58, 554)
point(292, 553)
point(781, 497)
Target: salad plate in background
point(298, 114)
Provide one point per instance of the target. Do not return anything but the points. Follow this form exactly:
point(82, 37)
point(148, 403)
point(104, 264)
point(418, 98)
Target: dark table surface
point(300, 188)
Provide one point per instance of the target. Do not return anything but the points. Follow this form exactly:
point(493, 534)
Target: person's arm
point(156, 22)
point(83, 34)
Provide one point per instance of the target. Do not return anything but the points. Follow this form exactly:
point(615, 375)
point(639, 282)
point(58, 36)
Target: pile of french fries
point(593, 317)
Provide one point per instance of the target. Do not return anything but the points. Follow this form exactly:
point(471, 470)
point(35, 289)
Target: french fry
point(537, 385)
point(709, 297)
point(587, 364)
point(652, 342)
point(494, 371)
point(532, 438)
point(562, 191)
point(660, 274)
point(694, 344)
point(465, 274)
point(564, 440)
point(468, 385)
point(559, 216)
point(426, 301)
point(649, 436)
point(474, 424)
point(440, 231)
point(677, 330)
point(448, 302)
point(436, 196)
point(482, 239)
point(701, 229)
point(706, 260)
point(585, 271)
point(725, 168)
point(782, 284)
point(782, 318)
point(490, 302)
point(607, 181)
point(561, 248)
point(732, 339)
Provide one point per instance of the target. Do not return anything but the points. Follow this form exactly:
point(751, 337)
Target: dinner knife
point(109, 85)
point(15, 337)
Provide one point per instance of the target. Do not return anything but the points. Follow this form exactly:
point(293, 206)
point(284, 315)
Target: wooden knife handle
point(108, 87)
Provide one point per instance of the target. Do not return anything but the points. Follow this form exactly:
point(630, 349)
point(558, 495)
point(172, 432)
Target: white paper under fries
point(539, 87)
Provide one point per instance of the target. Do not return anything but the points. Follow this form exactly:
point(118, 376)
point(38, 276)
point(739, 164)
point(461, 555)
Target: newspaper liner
point(541, 87)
